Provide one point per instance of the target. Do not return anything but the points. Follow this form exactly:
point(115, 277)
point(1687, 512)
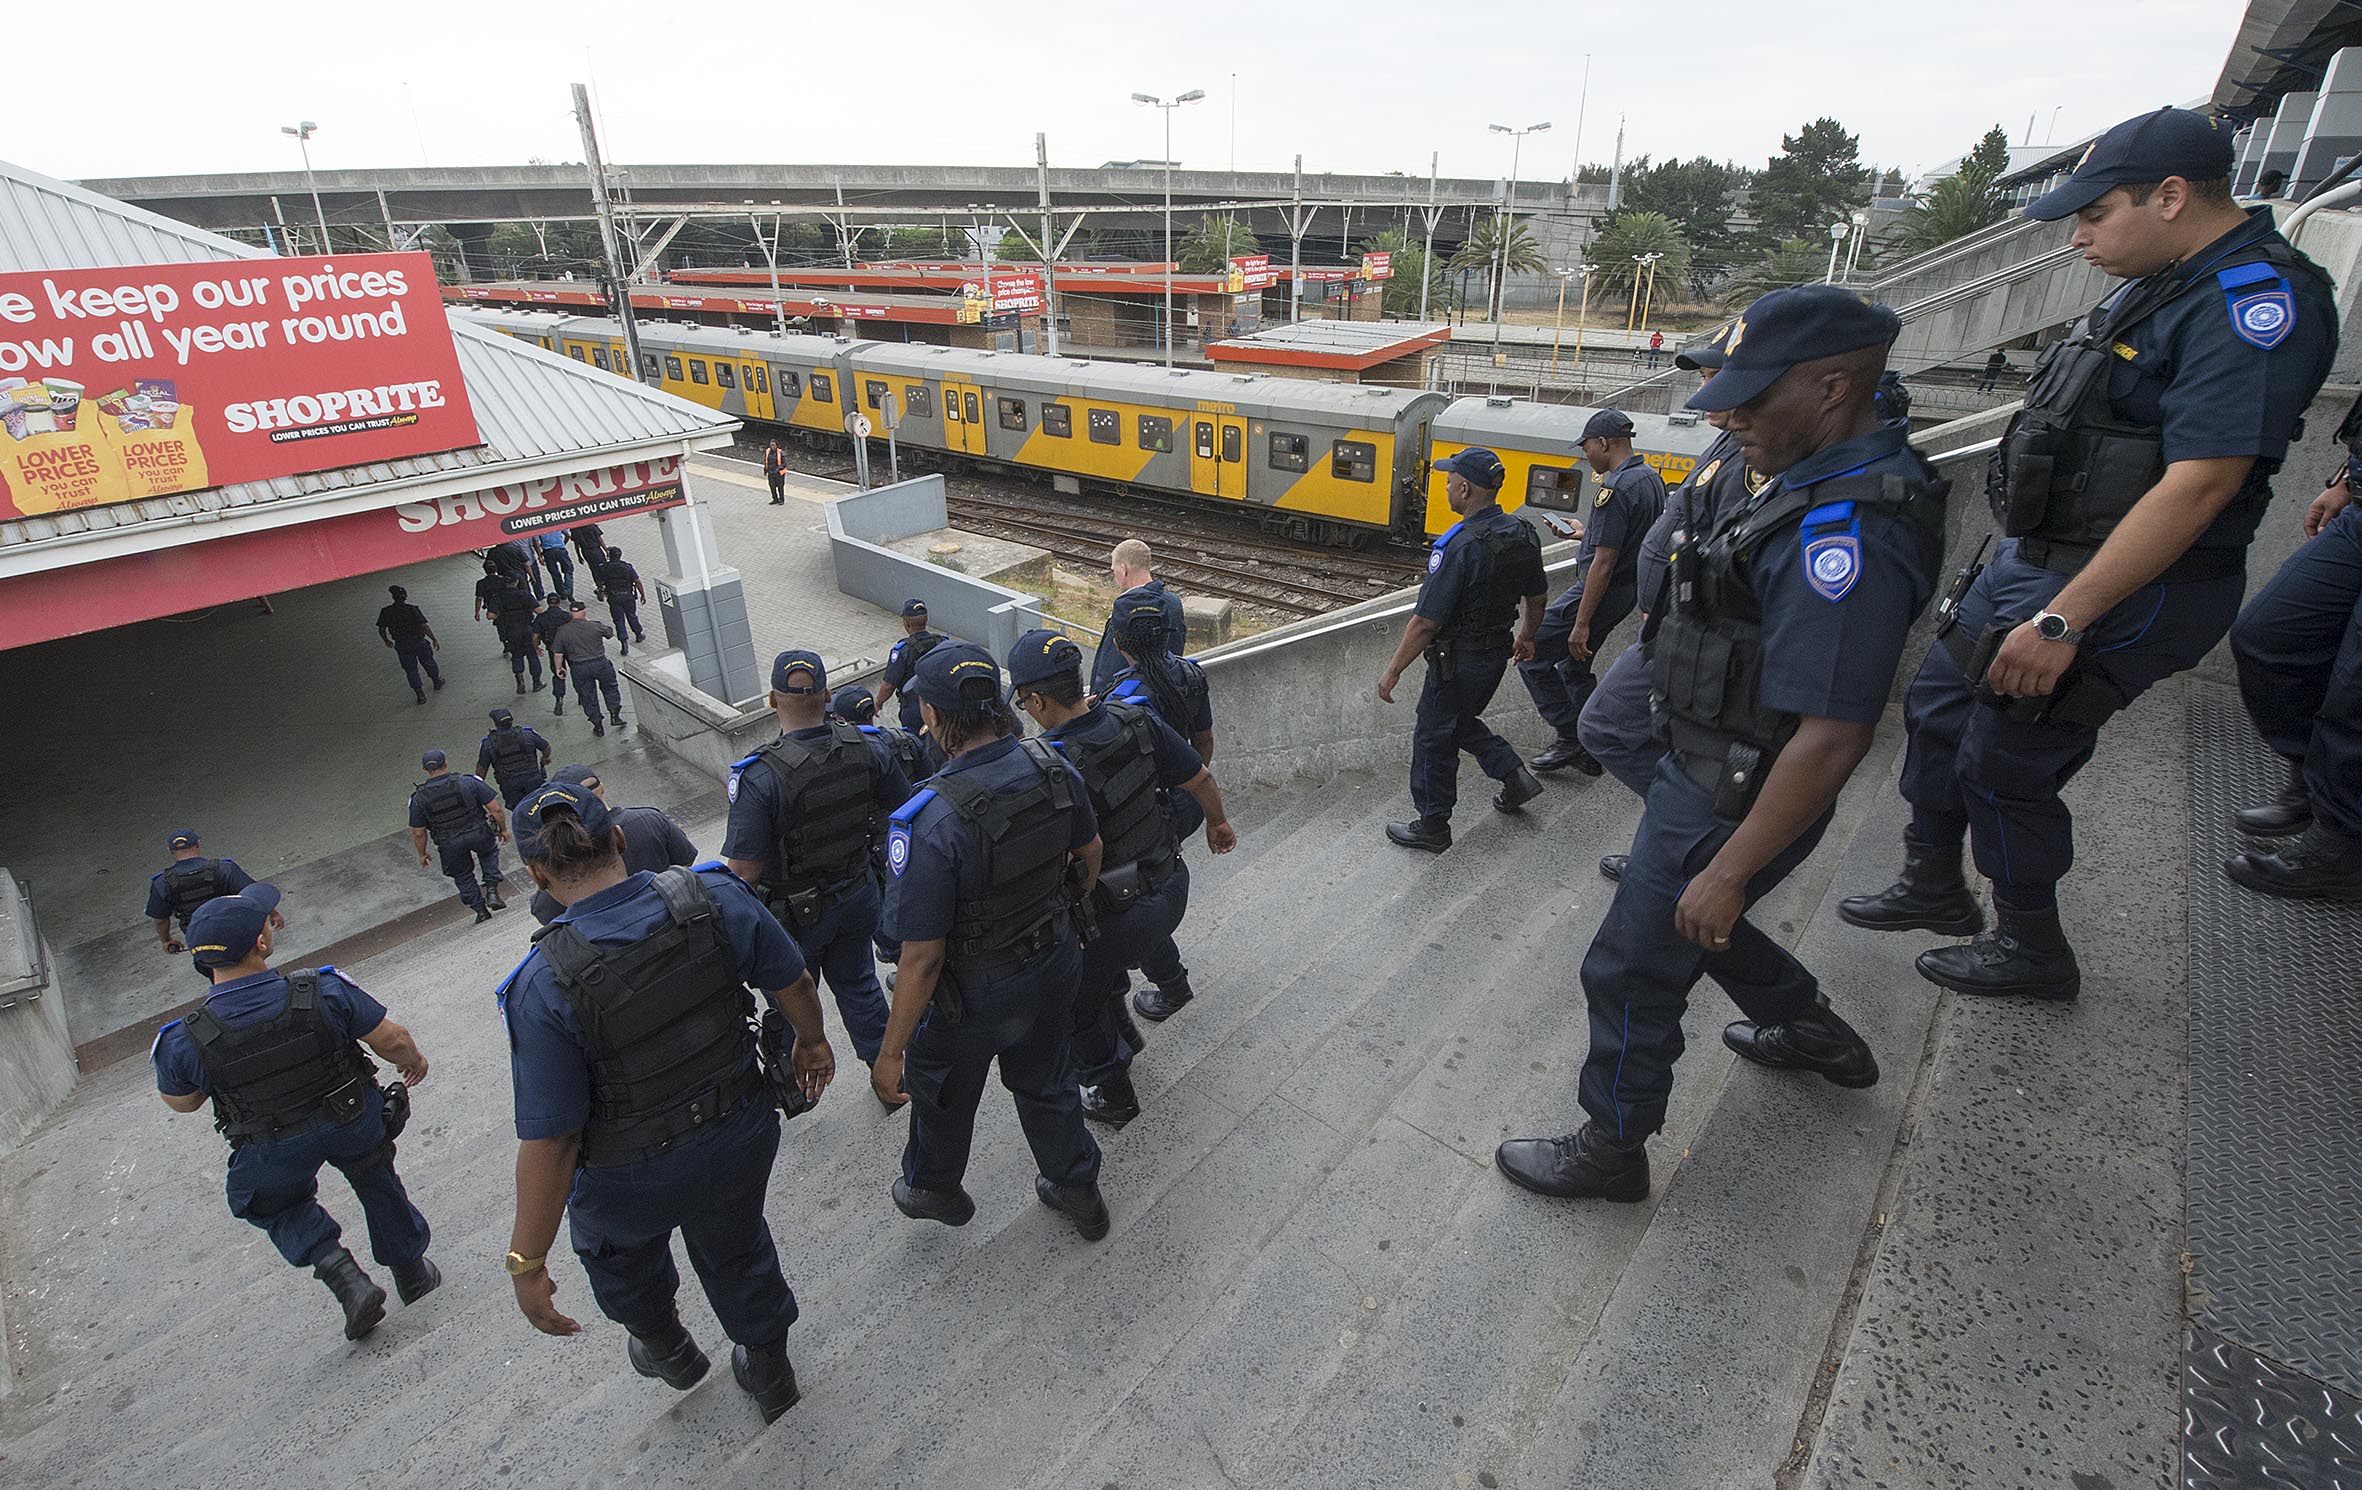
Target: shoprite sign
point(126, 383)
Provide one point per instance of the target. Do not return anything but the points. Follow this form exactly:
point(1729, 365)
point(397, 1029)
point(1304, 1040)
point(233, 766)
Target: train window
point(1106, 428)
point(1231, 440)
point(574, 350)
point(1290, 453)
point(672, 368)
point(726, 375)
point(648, 364)
point(1205, 439)
point(599, 358)
point(757, 379)
point(1058, 420)
point(791, 383)
point(873, 392)
point(823, 391)
point(918, 400)
point(1012, 412)
point(969, 399)
point(1156, 433)
point(1552, 487)
point(1353, 460)
point(697, 371)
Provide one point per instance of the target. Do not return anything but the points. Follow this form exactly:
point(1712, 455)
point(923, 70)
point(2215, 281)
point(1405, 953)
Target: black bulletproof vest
point(829, 797)
point(514, 760)
point(910, 752)
point(1121, 775)
point(918, 645)
point(664, 1026)
point(448, 811)
point(1706, 651)
point(2069, 469)
point(189, 884)
point(617, 578)
point(1019, 839)
point(1488, 607)
point(277, 1075)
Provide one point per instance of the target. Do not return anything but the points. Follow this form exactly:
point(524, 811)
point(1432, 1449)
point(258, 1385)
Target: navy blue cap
point(854, 704)
point(182, 838)
point(576, 776)
point(584, 803)
point(223, 930)
point(949, 675)
point(1479, 465)
point(1790, 326)
point(434, 760)
point(501, 716)
point(1608, 424)
point(1704, 356)
point(914, 607)
point(1043, 654)
point(2169, 142)
point(794, 661)
point(580, 605)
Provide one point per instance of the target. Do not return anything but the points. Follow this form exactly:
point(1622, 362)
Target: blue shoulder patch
point(500, 994)
point(2244, 274)
point(896, 651)
point(2261, 317)
point(1829, 512)
point(744, 761)
point(910, 809)
point(1442, 540)
point(1833, 562)
point(898, 830)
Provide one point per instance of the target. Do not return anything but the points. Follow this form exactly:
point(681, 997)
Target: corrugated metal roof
point(1338, 336)
point(531, 406)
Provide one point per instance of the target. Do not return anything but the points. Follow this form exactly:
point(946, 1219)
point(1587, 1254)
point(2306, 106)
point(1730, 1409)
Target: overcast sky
point(1369, 86)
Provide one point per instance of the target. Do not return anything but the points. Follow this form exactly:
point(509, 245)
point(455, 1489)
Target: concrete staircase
point(1313, 1279)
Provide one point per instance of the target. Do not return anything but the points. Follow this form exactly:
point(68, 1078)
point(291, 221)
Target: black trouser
point(593, 679)
point(461, 855)
point(417, 655)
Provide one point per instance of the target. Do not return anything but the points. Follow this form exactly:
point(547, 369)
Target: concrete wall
point(859, 528)
point(692, 724)
point(37, 1066)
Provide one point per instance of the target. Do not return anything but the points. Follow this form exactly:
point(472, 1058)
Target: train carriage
point(1541, 450)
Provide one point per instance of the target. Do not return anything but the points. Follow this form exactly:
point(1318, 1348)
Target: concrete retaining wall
point(690, 723)
point(859, 528)
point(37, 1067)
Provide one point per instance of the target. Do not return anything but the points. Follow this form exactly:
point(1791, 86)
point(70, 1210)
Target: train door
point(1231, 474)
point(1205, 456)
point(963, 417)
point(754, 385)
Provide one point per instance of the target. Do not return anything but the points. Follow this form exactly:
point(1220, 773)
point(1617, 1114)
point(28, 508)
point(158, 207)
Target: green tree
point(1483, 244)
point(1960, 203)
point(1013, 249)
point(1699, 196)
point(1626, 237)
point(1815, 180)
point(1594, 174)
point(1795, 261)
point(1991, 154)
point(1400, 298)
point(1212, 244)
point(929, 243)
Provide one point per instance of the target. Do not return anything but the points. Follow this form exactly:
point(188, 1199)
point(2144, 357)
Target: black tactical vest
point(189, 884)
point(449, 814)
point(1134, 827)
point(514, 760)
point(829, 797)
point(1706, 648)
point(2069, 469)
point(1019, 839)
point(910, 752)
point(665, 1026)
point(1488, 607)
point(280, 1075)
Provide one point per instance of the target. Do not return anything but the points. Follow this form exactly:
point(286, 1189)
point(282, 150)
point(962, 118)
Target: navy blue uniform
point(1454, 696)
point(2299, 649)
point(711, 1187)
point(2194, 372)
point(462, 853)
point(513, 789)
point(1141, 933)
point(516, 557)
point(406, 624)
point(1823, 658)
point(275, 1183)
point(1022, 1014)
point(1107, 662)
point(1630, 499)
point(837, 947)
point(232, 879)
point(899, 662)
point(620, 580)
point(512, 617)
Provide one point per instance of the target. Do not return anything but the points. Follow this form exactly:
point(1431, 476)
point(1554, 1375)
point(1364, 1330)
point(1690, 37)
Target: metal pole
point(1296, 249)
point(771, 257)
point(1041, 164)
point(1168, 113)
point(1501, 250)
point(1582, 103)
point(1836, 237)
point(844, 223)
point(387, 213)
point(1427, 254)
point(303, 143)
point(1558, 322)
point(1648, 295)
point(608, 248)
point(1581, 310)
point(1632, 310)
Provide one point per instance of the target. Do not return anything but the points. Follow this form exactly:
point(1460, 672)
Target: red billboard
point(126, 383)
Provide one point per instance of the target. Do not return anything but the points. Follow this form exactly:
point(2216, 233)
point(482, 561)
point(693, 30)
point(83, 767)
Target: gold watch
point(518, 1264)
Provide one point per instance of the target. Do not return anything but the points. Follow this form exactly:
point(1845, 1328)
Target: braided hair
point(1146, 642)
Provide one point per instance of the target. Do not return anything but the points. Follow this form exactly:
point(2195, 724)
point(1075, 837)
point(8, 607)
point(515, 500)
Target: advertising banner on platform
point(127, 383)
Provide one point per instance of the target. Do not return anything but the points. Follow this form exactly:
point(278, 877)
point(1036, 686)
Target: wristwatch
point(2053, 627)
point(518, 1264)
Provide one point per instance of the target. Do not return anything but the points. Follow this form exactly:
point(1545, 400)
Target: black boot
point(669, 1356)
point(561, 707)
point(363, 1301)
point(1568, 753)
point(520, 682)
point(599, 728)
point(438, 685)
point(415, 1280)
point(2323, 865)
point(1517, 791)
point(1161, 1001)
point(1432, 834)
point(2026, 955)
point(951, 1207)
point(421, 694)
point(492, 896)
point(1585, 1165)
point(1816, 1040)
point(1611, 866)
point(1931, 896)
point(1112, 1101)
point(1080, 1204)
point(483, 914)
point(766, 1374)
point(2289, 813)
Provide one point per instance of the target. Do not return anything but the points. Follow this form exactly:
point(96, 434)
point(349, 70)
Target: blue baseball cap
point(1790, 326)
point(182, 838)
point(956, 675)
point(557, 796)
point(577, 776)
point(434, 760)
point(223, 930)
point(2169, 142)
point(1703, 356)
point(1042, 654)
point(914, 607)
point(502, 717)
point(1479, 465)
point(794, 661)
point(854, 704)
point(1608, 424)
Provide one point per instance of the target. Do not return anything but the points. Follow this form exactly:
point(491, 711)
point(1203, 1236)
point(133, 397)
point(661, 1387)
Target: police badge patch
point(1605, 492)
point(898, 848)
point(1435, 559)
point(2264, 318)
point(1832, 564)
point(733, 786)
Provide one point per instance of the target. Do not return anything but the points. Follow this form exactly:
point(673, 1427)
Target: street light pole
point(303, 136)
point(1583, 309)
point(1192, 96)
point(1507, 219)
point(1837, 231)
point(1648, 294)
point(1427, 252)
point(1853, 250)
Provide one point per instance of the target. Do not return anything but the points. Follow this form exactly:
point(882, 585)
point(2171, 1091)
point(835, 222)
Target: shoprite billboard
point(127, 383)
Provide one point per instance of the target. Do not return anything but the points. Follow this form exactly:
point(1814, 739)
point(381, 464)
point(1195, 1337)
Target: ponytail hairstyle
point(1146, 643)
point(981, 714)
point(564, 848)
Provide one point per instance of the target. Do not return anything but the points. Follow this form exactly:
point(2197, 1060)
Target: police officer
point(1773, 662)
point(2299, 649)
point(1128, 564)
point(619, 581)
point(917, 641)
point(806, 811)
point(651, 840)
point(920, 759)
point(457, 812)
point(1483, 569)
point(191, 879)
point(488, 590)
point(1130, 761)
point(512, 618)
point(546, 623)
point(291, 1091)
point(591, 543)
point(550, 544)
point(641, 1109)
point(403, 627)
point(1175, 690)
point(981, 899)
point(515, 557)
point(2127, 491)
point(516, 755)
point(1607, 564)
point(583, 643)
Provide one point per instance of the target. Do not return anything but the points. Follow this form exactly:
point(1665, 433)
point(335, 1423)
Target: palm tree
point(1401, 298)
point(1483, 246)
point(1796, 261)
point(1954, 207)
point(1626, 237)
point(1213, 243)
